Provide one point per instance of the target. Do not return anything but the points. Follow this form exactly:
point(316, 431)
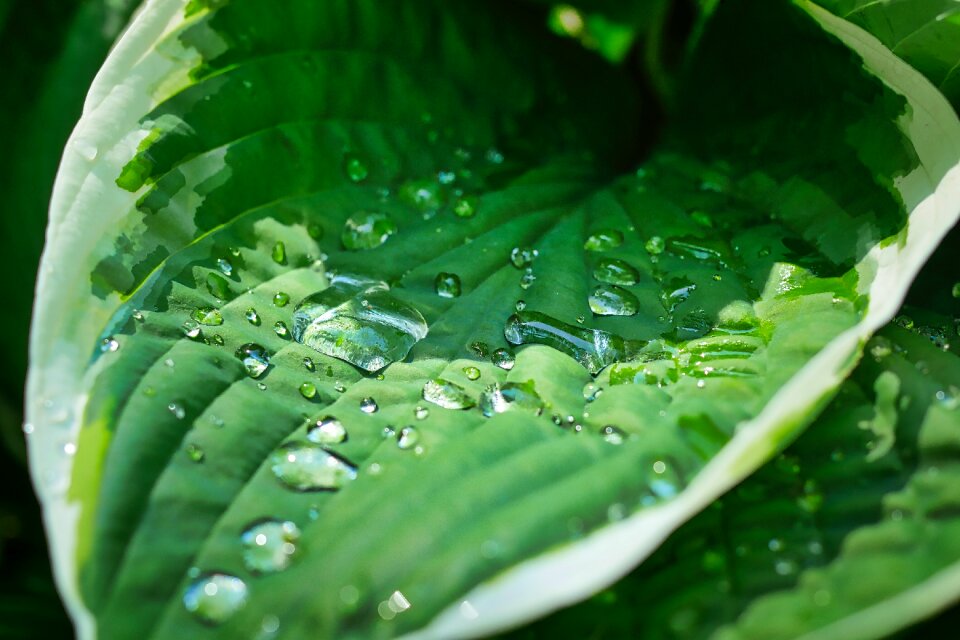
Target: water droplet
point(367, 231)
point(447, 285)
point(305, 466)
point(354, 168)
point(280, 328)
point(218, 286)
point(195, 453)
point(225, 267)
point(281, 299)
point(207, 316)
point(493, 156)
point(177, 410)
point(518, 395)
point(618, 272)
point(408, 437)
point(214, 597)
point(252, 317)
point(425, 195)
point(339, 387)
point(603, 240)
point(109, 345)
point(369, 405)
point(480, 348)
point(308, 364)
point(279, 253)
point(521, 305)
point(592, 348)
point(327, 430)
point(447, 394)
point(255, 359)
point(357, 320)
point(308, 390)
point(611, 300)
point(137, 315)
point(956, 290)
point(523, 257)
point(472, 373)
point(503, 359)
point(527, 280)
point(465, 207)
point(420, 413)
point(613, 435)
point(191, 330)
point(269, 545)
point(655, 245)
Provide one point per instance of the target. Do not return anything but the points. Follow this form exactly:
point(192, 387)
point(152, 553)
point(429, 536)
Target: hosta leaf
point(348, 344)
point(846, 534)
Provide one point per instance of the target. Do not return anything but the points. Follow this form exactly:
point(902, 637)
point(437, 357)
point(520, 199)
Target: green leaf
point(246, 241)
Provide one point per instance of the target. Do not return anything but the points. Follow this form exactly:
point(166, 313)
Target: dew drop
point(655, 245)
point(523, 257)
point(177, 410)
point(503, 359)
point(408, 437)
point(281, 299)
point(215, 597)
point(280, 328)
point(109, 345)
point(226, 268)
point(521, 305)
point(191, 329)
point(354, 168)
point(447, 394)
point(279, 253)
point(527, 280)
point(327, 430)
point(465, 207)
point(614, 271)
point(269, 545)
point(308, 364)
point(420, 413)
point(308, 390)
point(367, 231)
point(512, 395)
point(603, 240)
point(611, 300)
point(369, 405)
point(255, 359)
point(252, 317)
point(305, 466)
point(359, 321)
point(195, 453)
point(472, 373)
point(447, 285)
point(613, 435)
point(425, 195)
point(207, 316)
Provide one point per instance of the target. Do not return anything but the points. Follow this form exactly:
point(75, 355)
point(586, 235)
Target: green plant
point(370, 319)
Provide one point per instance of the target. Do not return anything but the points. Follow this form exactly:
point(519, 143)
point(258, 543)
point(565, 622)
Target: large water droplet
point(603, 240)
point(369, 405)
point(447, 394)
point(269, 545)
point(611, 300)
point(447, 285)
point(503, 358)
point(367, 231)
point(214, 597)
point(281, 299)
point(357, 320)
point(592, 348)
point(255, 359)
point(305, 466)
point(615, 271)
point(511, 395)
point(207, 316)
point(327, 430)
point(472, 373)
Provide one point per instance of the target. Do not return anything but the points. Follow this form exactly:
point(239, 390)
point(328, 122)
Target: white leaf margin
point(136, 77)
point(569, 574)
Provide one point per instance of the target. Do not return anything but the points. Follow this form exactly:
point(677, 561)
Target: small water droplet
point(408, 437)
point(308, 390)
point(480, 348)
point(502, 358)
point(308, 364)
point(281, 299)
point(280, 328)
point(354, 167)
point(420, 413)
point(472, 373)
point(527, 280)
point(269, 545)
point(446, 394)
point(618, 272)
point(523, 257)
point(109, 345)
point(225, 267)
point(466, 207)
point(493, 156)
point(367, 231)
point(327, 430)
point(207, 316)
point(191, 330)
point(195, 453)
point(279, 253)
point(512, 395)
point(611, 300)
point(521, 305)
point(604, 240)
point(255, 359)
point(137, 315)
point(177, 410)
point(305, 466)
point(252, 317)
point(215, 597)
point(613, 435)
point(447, 285)
point(425, 195)
point(655, 245)
point(369, 405)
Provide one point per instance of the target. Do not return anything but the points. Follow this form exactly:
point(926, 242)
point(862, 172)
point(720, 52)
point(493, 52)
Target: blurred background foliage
point(51, 50)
